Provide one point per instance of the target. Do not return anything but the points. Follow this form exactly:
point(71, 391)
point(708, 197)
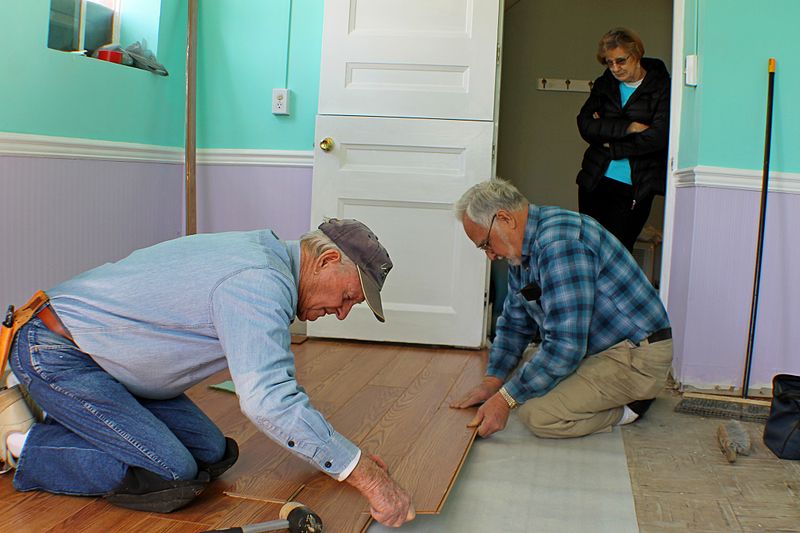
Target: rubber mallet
point(294, 516)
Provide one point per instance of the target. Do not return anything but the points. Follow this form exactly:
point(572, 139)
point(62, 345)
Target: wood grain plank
point(341, 507)
point(245, 512)
point(360, 414)
point(397, 432)
point(355, 381)
point(101, 517)
point(24, 511)
point(404, 369)
point(430, 469)
point(276, 484)
point(336, 389)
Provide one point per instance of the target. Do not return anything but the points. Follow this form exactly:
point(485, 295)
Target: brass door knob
point(326, 144)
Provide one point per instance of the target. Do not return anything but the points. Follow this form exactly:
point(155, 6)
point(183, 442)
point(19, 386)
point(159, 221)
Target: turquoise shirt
point(620, 169)
point(169, 316)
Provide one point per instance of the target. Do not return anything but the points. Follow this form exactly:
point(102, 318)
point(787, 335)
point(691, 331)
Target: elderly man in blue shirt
point(109, 356)
point(606, 343)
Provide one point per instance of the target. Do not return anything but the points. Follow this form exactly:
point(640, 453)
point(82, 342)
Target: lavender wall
point(711, 286)
point(60, 217)
point(235, 198)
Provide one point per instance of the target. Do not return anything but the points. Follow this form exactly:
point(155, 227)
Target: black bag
point(782, 432)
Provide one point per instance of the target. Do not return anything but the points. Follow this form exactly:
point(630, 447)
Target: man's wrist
point(512, 403)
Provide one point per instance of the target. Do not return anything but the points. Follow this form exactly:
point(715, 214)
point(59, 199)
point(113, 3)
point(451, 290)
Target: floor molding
point(27, 145)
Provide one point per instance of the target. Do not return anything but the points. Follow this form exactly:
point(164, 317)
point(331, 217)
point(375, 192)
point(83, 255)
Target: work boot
point(15, 417)
point(228, 460)
point(143, 490)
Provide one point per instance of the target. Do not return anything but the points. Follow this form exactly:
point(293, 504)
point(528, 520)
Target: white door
point(409, 58)
point(400, 177)
point(384, 62)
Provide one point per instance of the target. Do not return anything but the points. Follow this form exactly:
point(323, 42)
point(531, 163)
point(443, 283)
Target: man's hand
point(487, 387)
point(492, 416)
point(389, 503)
point(637, 127)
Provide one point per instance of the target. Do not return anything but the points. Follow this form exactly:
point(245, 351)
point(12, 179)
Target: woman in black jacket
point(626, 123)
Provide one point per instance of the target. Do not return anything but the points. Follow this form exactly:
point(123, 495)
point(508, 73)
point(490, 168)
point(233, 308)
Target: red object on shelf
point(115, 56)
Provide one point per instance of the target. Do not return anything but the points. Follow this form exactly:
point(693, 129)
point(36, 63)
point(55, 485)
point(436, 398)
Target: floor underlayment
point(515, 482)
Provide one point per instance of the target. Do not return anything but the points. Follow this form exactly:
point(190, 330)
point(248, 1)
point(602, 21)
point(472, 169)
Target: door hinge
point(494, 149)
point(498, 54)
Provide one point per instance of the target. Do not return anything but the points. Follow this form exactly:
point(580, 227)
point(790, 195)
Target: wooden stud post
point(190, 165)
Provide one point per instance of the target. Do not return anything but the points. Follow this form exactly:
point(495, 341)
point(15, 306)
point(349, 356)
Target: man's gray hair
point(482, 201)
point(317, 243)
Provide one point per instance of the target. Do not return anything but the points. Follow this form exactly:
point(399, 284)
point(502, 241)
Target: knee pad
point(143, 490)
point(228, 460)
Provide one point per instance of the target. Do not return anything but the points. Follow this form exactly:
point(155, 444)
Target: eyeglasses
point(620, 61)
point(484, 244)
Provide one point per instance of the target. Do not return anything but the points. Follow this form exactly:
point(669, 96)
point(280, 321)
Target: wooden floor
point(391, 400)
point(681, 482)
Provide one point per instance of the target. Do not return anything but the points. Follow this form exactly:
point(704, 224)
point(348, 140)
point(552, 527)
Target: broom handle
point(761, 222)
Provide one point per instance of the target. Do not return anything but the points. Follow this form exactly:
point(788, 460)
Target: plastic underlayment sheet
point(514, 482)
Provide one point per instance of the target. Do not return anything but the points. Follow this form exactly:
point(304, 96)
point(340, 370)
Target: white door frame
point(676, 101)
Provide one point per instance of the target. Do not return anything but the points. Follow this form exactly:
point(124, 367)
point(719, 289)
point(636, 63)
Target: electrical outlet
point(280, 101)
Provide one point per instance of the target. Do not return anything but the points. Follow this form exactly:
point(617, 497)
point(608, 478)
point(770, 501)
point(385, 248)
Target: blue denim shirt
point(168, 316)
point(591, 295)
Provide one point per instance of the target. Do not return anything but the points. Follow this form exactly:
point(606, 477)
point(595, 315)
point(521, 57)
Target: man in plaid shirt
point(606, 342)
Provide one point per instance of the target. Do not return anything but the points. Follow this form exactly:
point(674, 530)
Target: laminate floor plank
point(397, 432)
point(427, 471)
point(318, 360)
point(101, 517)
point(388, 398)
point(404, 369)
point(24, 512)
point(276, 483)
point(360, 414)
point(341, 507)
point(332, 392)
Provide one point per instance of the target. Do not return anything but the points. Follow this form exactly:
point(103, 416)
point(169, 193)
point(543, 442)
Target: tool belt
point(37, 307)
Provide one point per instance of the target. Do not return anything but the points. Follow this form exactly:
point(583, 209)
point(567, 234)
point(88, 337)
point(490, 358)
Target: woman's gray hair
point(482, 201)
point(317, 243)
point(623, 38)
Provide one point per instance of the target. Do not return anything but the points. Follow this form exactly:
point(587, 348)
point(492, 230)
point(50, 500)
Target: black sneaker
point(640, 407)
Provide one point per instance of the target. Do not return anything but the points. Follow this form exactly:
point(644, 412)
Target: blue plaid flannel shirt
point(593, 295)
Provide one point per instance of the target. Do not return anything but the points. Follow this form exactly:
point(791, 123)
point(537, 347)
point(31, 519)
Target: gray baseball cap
point(362, 247)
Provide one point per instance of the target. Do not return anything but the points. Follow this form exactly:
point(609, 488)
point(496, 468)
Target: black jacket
point(647, 151)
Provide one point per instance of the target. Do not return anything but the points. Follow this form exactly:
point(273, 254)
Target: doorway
point(539, 147)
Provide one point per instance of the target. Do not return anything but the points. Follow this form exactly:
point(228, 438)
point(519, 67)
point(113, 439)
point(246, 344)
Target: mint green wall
point(724, 117)
point(243, 50)
point(140, 20)
point(49, 92)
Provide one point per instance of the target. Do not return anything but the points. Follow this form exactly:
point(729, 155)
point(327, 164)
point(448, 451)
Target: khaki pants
point(592, 398)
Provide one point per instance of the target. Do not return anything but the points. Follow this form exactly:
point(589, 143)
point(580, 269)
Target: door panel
point(401, 177)
point(414, 58)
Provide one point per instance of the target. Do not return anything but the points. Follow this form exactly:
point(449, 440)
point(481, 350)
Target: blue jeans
point(95, 428)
